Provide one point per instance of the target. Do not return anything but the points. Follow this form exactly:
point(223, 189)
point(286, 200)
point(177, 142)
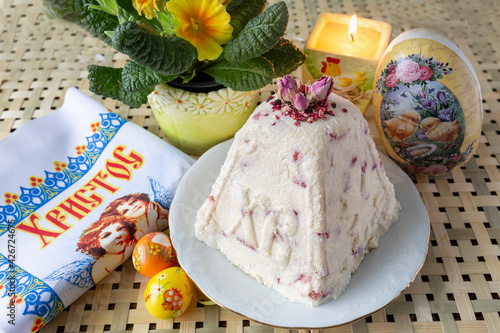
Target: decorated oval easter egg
point(168, 293)
point(427, 103)
point(153, 253)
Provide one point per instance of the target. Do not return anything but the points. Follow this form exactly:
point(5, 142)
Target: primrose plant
point(239, 43)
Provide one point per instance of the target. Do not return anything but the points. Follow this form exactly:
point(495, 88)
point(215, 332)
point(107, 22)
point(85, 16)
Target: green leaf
point(233, 5)
point(164, 55)
point(106, 81)
point(188, 78)
point(108, 6)
point(167, 22)
point(96, 22)
point(127, 9)
point(53, 12)
point(246, 11)
point(136, 78)
point(259, 35)
point(285, 57)
point(248, 75)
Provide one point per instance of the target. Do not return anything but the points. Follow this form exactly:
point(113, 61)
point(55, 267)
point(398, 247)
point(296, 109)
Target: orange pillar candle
point(348, 49)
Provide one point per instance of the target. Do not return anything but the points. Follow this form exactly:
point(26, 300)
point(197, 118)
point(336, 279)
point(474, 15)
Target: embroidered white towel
point(79, 188)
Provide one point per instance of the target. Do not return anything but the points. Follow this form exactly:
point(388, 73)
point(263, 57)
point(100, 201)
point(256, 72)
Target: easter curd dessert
point(302, 195)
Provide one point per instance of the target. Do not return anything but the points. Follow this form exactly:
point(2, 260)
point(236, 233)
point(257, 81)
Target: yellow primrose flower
point(204, 23)
point(146, 7)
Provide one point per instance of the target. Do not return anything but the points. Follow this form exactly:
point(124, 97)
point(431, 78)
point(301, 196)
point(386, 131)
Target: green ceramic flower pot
point(194, 121)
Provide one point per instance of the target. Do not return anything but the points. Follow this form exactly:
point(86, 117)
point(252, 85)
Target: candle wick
point(352, 37)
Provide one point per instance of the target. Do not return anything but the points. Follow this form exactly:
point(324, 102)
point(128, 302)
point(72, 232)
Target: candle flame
point(352, 27)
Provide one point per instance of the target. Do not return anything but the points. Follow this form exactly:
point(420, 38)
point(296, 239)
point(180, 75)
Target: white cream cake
point(298, 203)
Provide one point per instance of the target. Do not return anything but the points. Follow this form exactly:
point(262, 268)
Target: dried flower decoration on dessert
point(303, 102)
point(320, 90)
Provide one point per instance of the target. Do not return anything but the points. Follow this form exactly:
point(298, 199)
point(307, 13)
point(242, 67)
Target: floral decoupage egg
point(427, 103)
point(168, 293)
point(153, 253)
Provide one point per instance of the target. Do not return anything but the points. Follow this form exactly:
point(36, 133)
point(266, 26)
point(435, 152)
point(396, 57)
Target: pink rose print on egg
point(408, 71)
point(391, 80)
point(417, 169)
point(412, 69)
point(451, 165)
point(436, 169)
point(391, 69)
point(425, 73)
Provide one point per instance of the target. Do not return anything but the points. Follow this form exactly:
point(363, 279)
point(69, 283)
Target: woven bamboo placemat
point(457, 289)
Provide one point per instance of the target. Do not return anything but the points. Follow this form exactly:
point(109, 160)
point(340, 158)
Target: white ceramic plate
point(382, 276)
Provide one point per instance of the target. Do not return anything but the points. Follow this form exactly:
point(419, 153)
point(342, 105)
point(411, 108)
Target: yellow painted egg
point(427, 103)
point(168, 293)
point(153, 253)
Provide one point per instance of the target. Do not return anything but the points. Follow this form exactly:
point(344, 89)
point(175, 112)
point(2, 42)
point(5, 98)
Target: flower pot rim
point(199, 84)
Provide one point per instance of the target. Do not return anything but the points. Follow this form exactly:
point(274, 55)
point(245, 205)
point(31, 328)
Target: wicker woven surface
point(457, 289)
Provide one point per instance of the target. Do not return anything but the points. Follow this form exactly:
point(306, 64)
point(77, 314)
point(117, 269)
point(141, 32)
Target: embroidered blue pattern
point(39, 298)
point(30, 199)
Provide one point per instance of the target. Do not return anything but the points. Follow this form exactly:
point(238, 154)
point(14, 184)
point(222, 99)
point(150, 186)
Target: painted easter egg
point(153, 253)
point(427, 103)
point(168, 293)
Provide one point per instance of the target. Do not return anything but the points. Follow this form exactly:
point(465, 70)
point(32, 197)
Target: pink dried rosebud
point(300, 102)
point(288, 87)
point(320, 89)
